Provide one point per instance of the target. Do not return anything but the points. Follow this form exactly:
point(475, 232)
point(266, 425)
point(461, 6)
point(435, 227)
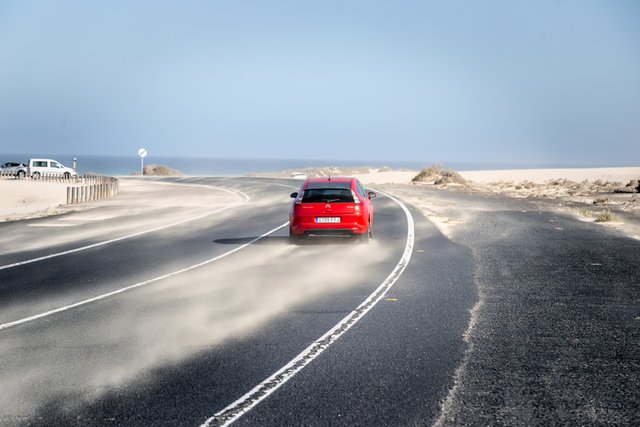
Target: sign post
point(142, 152)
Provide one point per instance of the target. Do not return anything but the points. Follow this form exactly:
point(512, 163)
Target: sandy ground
point(491, 178)
point(591, 189)
point(366, 174)
point(540, 176)
point(23, 198)
point(586, 194)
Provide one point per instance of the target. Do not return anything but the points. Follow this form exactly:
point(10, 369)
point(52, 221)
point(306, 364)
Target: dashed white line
point(52, 224)
point(244, 198)
point(137, 285)
point(263, 390)
point(87, 218)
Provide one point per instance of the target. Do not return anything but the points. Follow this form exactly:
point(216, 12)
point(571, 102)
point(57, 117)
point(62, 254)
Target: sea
point(212, 166)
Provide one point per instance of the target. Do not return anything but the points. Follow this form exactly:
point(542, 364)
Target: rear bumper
point(316, 230)
point(348, 225)
point(328, 232)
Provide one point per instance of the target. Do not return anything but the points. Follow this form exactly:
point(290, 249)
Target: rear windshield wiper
point(338, 200)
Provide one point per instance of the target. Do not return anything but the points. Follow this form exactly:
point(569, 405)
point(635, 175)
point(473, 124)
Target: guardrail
point(55, 178)
point(83, 188)
point(92, 187)
point(45, 177)
point(5, 174)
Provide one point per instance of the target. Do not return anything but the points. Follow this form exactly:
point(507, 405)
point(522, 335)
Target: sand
point(539, 176)
point(28, 198)
point(366, 174)
point(376, 176)
point(25, 198)
point(386, 177)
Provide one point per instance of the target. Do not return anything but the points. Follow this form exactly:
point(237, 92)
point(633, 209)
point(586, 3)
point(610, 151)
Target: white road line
point(244, 198)
point(87, 218)
point(137, 285)
point(263, 390)
point(71, 221)
point(52, 224)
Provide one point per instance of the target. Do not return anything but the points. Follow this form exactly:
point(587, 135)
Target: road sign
point(142, 152)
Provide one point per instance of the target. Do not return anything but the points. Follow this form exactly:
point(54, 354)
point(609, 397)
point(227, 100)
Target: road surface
point(131, 314)
point(181, 302)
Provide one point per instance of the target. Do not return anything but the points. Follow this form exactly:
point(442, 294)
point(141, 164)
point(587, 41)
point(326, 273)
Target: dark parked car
point(14, 169)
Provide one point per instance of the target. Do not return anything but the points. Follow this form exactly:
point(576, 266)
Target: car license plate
point(325, 219)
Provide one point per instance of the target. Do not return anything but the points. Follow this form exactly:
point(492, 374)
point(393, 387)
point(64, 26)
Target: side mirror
point(294, 195)
point(372, 195)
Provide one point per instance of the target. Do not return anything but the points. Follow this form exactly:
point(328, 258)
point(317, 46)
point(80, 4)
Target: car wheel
point(295, 239)
point(21, 174)
point(67, 175)
point(365, 237)
point(36, 175)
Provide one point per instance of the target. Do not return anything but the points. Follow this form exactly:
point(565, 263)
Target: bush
point(439, 176)
point(160, 170)
point(606, 216)
point(632, 187)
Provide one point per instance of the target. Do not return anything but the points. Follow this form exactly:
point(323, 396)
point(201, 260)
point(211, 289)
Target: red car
point(332, 207)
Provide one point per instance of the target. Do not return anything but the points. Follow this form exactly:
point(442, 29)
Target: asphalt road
point(167, 311)
point(555, 335)
point(192, 308)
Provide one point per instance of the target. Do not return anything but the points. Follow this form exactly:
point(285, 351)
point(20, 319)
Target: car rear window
point(329, 184)
point(327, 195)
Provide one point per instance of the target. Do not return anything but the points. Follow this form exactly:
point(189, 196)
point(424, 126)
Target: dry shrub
point(606, 216)
point(586, 213)
point(632, 187)
point(439, 176)
point(160, 170)
point(430, 173)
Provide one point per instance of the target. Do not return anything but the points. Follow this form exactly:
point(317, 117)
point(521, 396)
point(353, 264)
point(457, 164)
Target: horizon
point(278, 164)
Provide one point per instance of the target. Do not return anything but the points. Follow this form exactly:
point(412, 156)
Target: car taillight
point(356, 199)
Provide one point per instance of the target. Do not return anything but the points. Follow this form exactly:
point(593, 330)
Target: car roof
point(331, 179)
point(326, 182)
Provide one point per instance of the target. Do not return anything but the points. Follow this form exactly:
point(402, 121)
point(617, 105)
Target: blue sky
point(500, 81)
